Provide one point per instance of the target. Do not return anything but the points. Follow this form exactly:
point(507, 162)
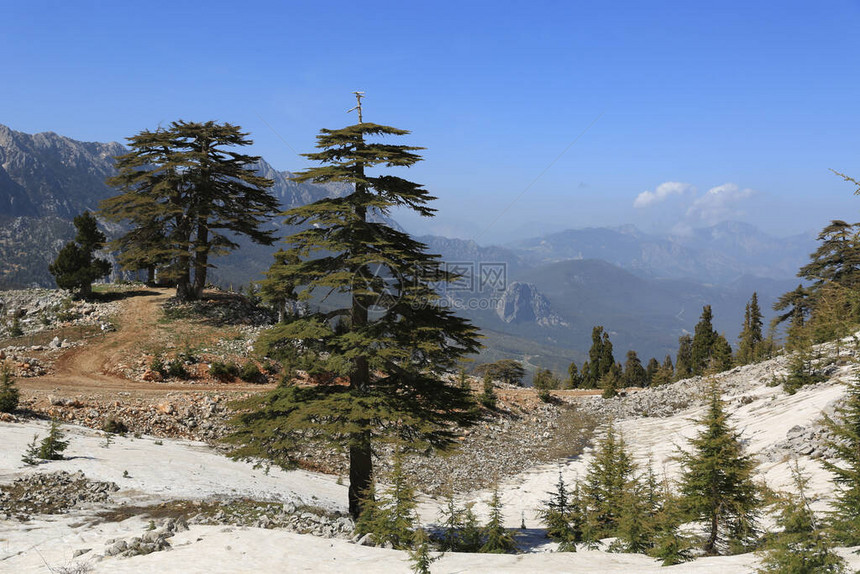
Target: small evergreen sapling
point(390, 517)
point(562, 515)
point(498, 538)
point(31, 454)
point(9, 394)
point(800, 547)
point(53, 445)
point(716, 485)
point(420, 554)
point(845, 519)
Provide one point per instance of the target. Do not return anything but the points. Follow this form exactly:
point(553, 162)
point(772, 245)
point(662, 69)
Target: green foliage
point(75, 267)
point(53, 445)
point(611, 381)
point(506, 370)
point(800, 547)
point(574, 379)
point(609, 478)
point(845, 428)
point(545, 381)
point(684, 358)
point(186, 194)
point(176, 369)
point(721, 356)
point(31, 453)
point(251, 373)
point(600, 359)
point(498, 539)
point(704, 341)
point(390, 516)
point(9, 393)
point(751, 339)
point(390, 339)
point(562, 513)
point(420, 554)
point(488, 394)
point(278, 288)
point(801, 372)
point(223, 371)
point(635, 374)
point(15, 329)
point(716, 485)
point(114, 426)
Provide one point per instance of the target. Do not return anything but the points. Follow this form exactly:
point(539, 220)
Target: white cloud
point(719, 203)
point(661, 193)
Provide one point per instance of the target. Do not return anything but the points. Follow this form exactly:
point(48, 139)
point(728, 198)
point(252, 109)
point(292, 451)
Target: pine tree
point(390, 516)
point(498, 538)
point(391, 340)
point(186, 193)
point(652, 370)
point(31, 453)
point(592, 376)
point(665, 374)
point(277, 288)
point(420, 555)
point(75, 267)
point(797, 305)
point(800, 547)
point(634, 374)
point(845, 428)
point(608, 479)
point(721, 355)
point(559, 513)
point(545, 381)
point(611, 381)
point(684, 358)
point(751, 337)
point(716, 485)
point(704, 339)
point(488, 394)
point(9, 394)
point(53, 445)
point(574, 379)
point(451, 519)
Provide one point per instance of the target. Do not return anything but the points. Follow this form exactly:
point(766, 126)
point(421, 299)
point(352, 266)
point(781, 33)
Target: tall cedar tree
point(377, 359)
point(716, 485)
point(751, 337)
point(600, 359)
point(75, 267)
point(186, 197)
point(684, 358)
point(704, 339)
point(797, 307)
point(845, 520)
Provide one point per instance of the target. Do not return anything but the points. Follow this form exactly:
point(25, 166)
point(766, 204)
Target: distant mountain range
point(535, 299)
point(47, 179)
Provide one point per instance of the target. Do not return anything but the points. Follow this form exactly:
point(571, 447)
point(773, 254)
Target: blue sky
point(536, 115)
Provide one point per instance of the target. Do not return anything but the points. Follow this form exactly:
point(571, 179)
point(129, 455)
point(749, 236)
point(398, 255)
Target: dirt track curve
point(88, 369)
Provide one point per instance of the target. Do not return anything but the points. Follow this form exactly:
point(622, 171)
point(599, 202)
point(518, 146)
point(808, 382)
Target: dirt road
point(88, 369)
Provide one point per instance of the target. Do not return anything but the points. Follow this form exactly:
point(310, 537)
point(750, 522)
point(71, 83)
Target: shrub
point(223, 371)
point(114, 426)
point(15, 330)
point(8, 391)
point(176, 369)
point(251, 373)
point(488, 396)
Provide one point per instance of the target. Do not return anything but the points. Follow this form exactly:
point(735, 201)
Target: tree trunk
point(201, 258)
point(710, 545)
point(360, 471)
